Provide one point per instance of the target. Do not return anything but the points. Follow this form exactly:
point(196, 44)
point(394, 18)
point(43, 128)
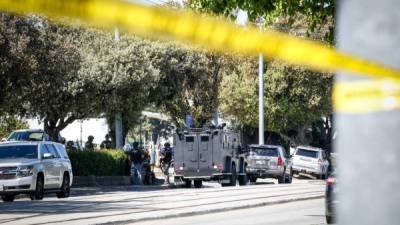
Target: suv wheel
point(253, 179)
point(243, 179)
point(65, 188)
point(289, 178)
point(8, 198)
point(282, 179)
point(198, 183)
point(39, 191)
point(330, 220)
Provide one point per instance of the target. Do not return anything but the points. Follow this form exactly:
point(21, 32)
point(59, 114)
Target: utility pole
point(118, 116)
point(261, 91)
point(368, 142)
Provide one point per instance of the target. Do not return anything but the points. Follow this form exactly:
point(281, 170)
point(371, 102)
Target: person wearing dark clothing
point(107, 144)
point(165, 160)
point(89, 145)
point(136, 157)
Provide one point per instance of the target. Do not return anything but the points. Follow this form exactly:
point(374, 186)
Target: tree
point(19, 41)
point(318, 13)
point(10, 123)
point(295, 98)
point(188, 84)
point(122, 76)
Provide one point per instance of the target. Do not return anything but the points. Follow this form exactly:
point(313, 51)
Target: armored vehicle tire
point(233, 176)
point(198, 183)
point(65, 188)
point(253, 179)
point(188, 184)
point(243, 179)
point(8, 198)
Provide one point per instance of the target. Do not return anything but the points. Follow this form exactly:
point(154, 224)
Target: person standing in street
point(165, 160)
point(136, 157)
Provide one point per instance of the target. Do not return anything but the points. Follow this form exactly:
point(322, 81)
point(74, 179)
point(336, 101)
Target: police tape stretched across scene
point(220, 35)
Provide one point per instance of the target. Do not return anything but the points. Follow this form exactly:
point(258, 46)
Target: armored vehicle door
point(191, 152)
point(205, 151)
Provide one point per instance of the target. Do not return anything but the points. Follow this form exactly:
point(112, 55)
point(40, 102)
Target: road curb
point(203, 212)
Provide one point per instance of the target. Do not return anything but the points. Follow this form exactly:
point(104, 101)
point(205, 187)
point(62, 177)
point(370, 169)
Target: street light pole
point(261, 92)
point(118, 116)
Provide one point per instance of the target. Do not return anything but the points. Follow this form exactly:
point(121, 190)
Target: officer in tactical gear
point(165, 160)
point(137, 157)
point(89, 144)
point(107, 144)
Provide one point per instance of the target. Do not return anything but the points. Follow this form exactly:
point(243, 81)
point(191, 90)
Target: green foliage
point(99, 163)
point(294, 97)
point(186, 75)
point(10, 123)
point(18, 59)
point(318, 13)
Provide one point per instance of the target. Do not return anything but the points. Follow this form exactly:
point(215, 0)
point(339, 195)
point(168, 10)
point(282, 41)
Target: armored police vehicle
point(204, 154)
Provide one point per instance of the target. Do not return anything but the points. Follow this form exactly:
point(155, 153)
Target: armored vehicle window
point(204, 138)
point(189, 139)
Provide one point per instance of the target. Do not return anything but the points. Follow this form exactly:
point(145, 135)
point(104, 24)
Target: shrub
point(99, 163)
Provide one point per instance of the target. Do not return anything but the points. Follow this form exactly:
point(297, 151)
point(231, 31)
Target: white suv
point(310, 160)
point(34, 168)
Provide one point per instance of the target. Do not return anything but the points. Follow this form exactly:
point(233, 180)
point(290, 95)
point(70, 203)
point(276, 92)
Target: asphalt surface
point(133, 204)
point(307, 212)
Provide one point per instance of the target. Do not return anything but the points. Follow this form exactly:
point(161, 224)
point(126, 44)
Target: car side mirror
point(47, 156)
point(3, 140)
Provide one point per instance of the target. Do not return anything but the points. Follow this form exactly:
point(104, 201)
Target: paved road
point(308, 212)
point(133, 204)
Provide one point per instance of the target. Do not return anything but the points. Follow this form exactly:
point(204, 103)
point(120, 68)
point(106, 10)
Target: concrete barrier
point(87, 181)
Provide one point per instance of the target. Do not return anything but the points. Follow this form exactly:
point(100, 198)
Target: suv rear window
point(307, 153)
point(18, 151)
point(273, 152)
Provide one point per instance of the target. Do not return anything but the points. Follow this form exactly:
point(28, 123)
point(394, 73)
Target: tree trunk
point(301, 135)
point(53, 127)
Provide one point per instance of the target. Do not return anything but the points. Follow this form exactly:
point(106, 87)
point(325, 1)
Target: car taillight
point(331, 180)
point(177, 167)
point(218, 166)
point(279, 161)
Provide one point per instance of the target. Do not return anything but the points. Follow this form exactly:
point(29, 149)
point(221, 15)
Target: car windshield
point(307, 153)
point(18, 151)
point(26, 136)
point(266, 151)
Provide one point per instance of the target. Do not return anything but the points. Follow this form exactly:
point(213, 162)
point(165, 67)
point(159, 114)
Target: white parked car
point(310, 160)
point(34, 168)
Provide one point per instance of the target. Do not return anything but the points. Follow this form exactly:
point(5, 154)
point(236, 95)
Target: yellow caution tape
point(220, 35)
point(208, 32)
point(366, 96)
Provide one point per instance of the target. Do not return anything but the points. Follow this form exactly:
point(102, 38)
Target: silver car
point(34, 168)
point(268, 161)
point(310, 160)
